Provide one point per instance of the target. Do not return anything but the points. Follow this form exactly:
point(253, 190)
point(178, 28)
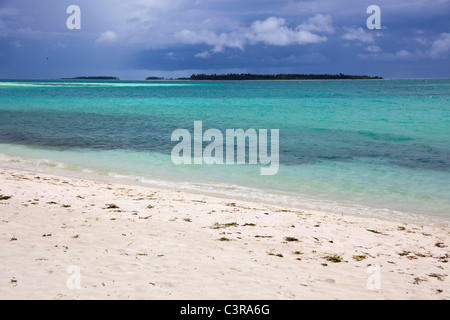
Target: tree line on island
point(281, 76)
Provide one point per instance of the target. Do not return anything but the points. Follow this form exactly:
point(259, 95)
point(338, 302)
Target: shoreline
point(269, 197)
point(136, 242)
point(295, 201)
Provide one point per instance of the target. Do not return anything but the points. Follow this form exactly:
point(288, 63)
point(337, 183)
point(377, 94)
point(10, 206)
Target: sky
point(135, 39)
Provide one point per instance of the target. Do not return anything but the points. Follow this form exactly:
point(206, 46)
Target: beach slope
point(66, 238)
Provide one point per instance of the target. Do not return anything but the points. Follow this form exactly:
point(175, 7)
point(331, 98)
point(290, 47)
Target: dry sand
point(66, 238)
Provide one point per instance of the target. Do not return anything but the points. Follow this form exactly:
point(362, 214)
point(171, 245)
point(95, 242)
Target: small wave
point(30, 162)
point(50, 163)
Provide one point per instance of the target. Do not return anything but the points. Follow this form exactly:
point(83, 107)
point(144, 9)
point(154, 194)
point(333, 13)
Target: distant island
point(247, 76)
point(289, 76)
point(92, 78)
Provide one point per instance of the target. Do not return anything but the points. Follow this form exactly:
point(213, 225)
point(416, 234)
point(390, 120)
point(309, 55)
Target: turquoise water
point(383, 144)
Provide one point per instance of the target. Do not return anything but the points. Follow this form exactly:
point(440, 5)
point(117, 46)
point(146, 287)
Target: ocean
point(363, 145)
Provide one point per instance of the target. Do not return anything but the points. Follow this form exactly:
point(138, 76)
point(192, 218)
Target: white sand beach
point(66, 238)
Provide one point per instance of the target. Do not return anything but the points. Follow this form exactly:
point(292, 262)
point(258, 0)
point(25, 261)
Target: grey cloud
point(271, 31)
